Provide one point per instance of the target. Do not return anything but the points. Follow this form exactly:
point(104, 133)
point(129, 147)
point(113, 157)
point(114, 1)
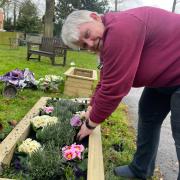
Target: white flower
point(47, 78)
point(72, 63)
point(29, 146)
point(43, 121)
point(55, 78)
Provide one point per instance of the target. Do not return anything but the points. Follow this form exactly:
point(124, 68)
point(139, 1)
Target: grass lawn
point(15, 109)
point(118, 137)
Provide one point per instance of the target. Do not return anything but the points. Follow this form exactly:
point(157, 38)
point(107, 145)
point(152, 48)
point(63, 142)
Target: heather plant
point(47, 164)
point(59, 134)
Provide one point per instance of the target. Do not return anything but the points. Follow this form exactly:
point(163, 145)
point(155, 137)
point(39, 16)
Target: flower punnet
point(48, 110)
point(43, 121)
point(29, 146)
point(76, 121)
point(73, 151)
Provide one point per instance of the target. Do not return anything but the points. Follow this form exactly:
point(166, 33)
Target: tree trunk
point(49, 18)
point(174, 6)
point(15, 6)
point(116, 4)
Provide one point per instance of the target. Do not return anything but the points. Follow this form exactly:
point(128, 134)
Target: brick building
point(1, 18)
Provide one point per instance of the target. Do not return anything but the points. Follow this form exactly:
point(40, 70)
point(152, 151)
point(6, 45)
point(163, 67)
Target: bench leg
point(64, 59)
point(52, 60)
point(39, 57)
point(28, 56)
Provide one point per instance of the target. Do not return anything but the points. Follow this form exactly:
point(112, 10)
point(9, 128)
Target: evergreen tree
point(2, 2)
point(28, 20)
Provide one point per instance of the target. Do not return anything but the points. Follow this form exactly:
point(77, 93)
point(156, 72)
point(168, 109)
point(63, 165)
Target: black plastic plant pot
point(9, 91)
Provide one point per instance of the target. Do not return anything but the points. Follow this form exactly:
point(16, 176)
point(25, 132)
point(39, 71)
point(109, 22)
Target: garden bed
point(22, 130)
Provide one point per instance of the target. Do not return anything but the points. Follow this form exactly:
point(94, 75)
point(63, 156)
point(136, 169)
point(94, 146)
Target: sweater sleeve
point(98, 86)
point(123, 44)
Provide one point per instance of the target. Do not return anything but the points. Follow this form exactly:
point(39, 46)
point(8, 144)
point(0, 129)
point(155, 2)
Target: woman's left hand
point(83, 132)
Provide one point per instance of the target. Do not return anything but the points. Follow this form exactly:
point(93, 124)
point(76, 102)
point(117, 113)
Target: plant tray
point(79, 82)
point(21, 131)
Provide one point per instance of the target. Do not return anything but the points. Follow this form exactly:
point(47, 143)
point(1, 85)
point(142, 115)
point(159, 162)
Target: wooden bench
point(49, 47)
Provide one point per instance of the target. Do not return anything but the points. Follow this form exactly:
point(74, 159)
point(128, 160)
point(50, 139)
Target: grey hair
point(70, 30)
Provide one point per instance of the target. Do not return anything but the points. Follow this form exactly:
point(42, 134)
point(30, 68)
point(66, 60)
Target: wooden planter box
point(79, 82)
point(21, 131)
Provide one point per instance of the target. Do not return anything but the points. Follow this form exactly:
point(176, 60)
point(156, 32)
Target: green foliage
point(5, 132)
point(59, 134)
point(8, 25)
point(28, 20)
point(69, 174)
point(50, 83)
point(2, 3)
point(116, 131)
point(16, 108)
point(62, 107)
point(47, 164)
point(65, 7)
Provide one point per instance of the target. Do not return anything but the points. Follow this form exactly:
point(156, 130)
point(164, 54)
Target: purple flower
point(76, 121)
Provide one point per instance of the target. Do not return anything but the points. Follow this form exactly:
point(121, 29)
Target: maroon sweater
point(141, 47)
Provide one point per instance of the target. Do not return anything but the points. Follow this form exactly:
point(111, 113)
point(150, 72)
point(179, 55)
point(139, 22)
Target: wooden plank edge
point(93, 78)
point(95, 156)
point(19, 133)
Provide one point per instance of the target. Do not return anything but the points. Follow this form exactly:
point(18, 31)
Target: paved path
point(166, 158)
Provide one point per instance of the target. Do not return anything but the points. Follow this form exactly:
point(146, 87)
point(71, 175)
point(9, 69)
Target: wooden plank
point(95, 156)
point(70, 73)
point(79, 80)
point(72, 94)
point(19, 133)
point(79, 85)
point(77, 91)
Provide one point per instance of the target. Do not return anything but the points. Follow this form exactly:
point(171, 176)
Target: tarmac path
point(166, 157)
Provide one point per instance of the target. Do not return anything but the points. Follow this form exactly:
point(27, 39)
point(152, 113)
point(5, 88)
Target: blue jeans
point(154, 105)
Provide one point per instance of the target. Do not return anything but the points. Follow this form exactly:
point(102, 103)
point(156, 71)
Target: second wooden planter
point(79, 82)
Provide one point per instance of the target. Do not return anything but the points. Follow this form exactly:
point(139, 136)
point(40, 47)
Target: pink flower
point(76, 121)
point(66, 148)
point(48, 109)
point(69, 154)
point(78, 154)
point(73, 151)
point(78, 147)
